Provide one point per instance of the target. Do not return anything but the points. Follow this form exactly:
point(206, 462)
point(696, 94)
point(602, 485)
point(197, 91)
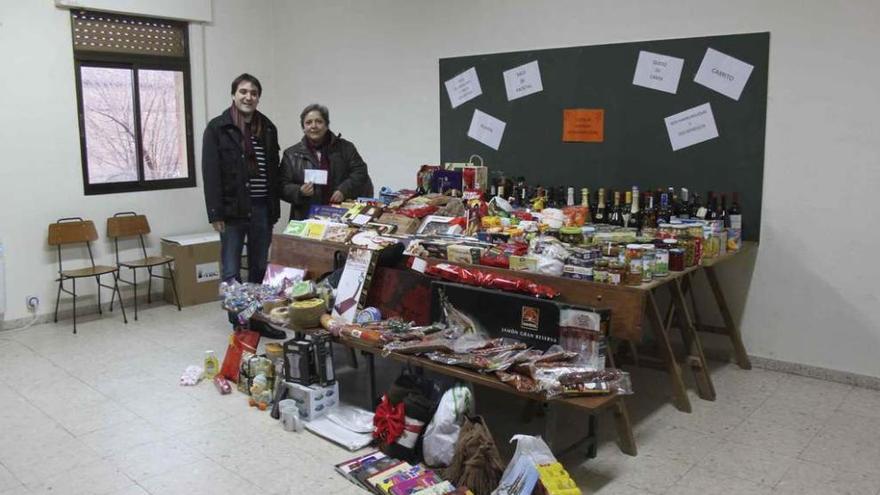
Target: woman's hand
point(307, 189)
point(337, 197)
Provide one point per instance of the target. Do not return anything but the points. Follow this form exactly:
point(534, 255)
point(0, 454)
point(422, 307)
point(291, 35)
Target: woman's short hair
point(247, 78)
point(325, 114)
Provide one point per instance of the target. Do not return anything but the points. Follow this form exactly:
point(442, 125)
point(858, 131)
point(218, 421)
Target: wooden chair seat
point(89, 271)
point(146, 262)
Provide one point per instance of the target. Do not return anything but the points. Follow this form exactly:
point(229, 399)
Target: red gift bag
point(239, 342)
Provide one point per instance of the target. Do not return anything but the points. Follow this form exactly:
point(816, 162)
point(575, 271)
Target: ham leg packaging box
point(197, 267)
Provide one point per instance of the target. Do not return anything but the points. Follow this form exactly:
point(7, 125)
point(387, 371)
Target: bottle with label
point(600, 216)
point(569, 197)
point(635, 216)
point(585, 203)
point(723, 214)
point(649, 218)
point(616, 217)
point(664, 214)
point(212, 365)
point(626, 210)
point(735, 213)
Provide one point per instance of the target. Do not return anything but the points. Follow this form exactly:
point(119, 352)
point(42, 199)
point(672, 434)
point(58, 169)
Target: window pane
point(163, 124)
point(109, 124)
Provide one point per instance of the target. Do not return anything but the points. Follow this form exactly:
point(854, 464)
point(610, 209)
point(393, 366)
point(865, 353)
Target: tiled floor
point(101, 413)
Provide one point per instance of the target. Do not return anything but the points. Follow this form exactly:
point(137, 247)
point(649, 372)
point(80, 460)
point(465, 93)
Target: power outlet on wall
point(32, 302)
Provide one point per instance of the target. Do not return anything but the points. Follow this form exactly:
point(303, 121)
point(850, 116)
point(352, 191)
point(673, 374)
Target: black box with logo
point(539, 323)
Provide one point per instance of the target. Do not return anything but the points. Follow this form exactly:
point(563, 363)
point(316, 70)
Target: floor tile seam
point(776, 452)
point(164, 472)
point(845, 470)
point(11, 473)
point(100, 459)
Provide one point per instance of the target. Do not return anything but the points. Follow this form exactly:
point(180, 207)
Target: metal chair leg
point(149, 286)
point(116, 288)
point(74, 305)
point(174, 287)
point(113, 294)
point(134, 277)
point(98, 279)
point(58, 298)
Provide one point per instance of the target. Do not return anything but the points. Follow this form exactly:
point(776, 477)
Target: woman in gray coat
point(321, 149)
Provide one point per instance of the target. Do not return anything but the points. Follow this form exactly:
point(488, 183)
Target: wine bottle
point(616, 211)
point(723, 215)
point(627, 206)
point(711, 207)
point(569, 197)
point(601, 215)
point(684, 207)
point(649, 218)
point(664, 214)
point(635, 216)
point(735, 213)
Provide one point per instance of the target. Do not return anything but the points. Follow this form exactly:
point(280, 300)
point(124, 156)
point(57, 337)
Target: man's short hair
point(246, 78)
point(314, 106)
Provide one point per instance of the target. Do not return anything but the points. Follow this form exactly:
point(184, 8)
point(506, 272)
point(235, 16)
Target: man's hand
point(219, 226)
point(307, 189)
point(337, 197)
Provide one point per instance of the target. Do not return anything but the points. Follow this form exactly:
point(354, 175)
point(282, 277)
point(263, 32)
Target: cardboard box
point(539, 323)
point(405, 224)
point(197, 267)
point(313, 401)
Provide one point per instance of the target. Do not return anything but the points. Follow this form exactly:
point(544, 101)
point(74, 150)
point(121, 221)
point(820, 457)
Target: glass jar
point(616, 272)
point(676, 260)
point(571, 235)
point(661, 262)
point(633, 251)
point(600, 271)
point(648, 265)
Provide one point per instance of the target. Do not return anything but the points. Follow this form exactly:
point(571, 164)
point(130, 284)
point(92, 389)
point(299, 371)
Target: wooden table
point(591, 404)
point(628, 304)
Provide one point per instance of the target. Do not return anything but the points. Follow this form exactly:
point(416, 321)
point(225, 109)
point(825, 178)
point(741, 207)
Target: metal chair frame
point(86, 235)
point(125, 217)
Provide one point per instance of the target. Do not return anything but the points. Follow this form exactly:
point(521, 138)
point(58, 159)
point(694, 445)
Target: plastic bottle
point(212, 365)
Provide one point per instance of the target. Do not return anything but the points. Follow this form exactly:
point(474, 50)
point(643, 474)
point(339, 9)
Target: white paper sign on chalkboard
point(656, 71)
point(523, 80)
point(486, 129)
point(692, 126)
point(463, 87)
point(723, 73)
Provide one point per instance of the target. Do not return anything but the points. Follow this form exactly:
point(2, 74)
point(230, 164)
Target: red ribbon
point(388, 421)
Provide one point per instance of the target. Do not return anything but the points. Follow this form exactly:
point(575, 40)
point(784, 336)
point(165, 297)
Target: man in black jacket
point(240, 159)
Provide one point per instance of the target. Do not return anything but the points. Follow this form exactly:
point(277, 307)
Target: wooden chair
point(129, 224)
point(75, 230)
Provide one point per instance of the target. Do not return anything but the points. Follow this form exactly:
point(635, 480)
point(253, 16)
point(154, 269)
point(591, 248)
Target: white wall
point(809, 297)
point(41, 177)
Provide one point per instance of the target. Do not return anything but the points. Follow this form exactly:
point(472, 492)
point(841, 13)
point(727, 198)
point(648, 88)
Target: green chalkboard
point(636, 149)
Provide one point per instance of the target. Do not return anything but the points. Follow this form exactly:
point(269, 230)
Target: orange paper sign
point(583, 125)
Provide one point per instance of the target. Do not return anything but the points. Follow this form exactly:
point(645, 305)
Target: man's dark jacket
point(225, 173)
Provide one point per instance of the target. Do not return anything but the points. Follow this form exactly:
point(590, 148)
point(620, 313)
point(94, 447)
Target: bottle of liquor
point(569, 197)
point(635, 216)
point(625, 210)
point(723, 214)
point(697, 209)
point(683, 207)
point(601, 215)
point(649, 217)
point(735, 213)
point(616, 211)
point(664, 214)
point(585, 203)
point(712, 207)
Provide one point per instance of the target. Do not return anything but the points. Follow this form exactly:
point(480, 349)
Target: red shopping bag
point(239, 342)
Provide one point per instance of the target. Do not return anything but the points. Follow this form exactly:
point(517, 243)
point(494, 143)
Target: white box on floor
point(313, 401)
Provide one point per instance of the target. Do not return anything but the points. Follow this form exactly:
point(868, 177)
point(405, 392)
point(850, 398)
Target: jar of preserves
point(616, 272)
point(633, 251)
point(661, 262)
point(571, 235)
point(676, 260)
point(600, 271)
